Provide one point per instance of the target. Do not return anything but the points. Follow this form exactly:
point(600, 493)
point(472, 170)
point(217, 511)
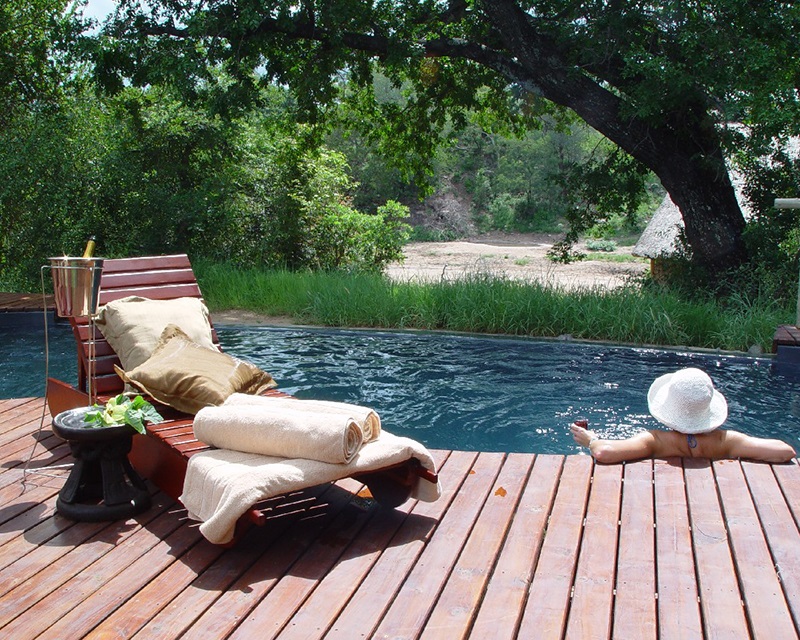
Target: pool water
point(463, 392)
point(22, 357)
point(505, 394)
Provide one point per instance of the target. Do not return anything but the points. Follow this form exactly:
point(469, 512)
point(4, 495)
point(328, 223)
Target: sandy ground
point(522, 256)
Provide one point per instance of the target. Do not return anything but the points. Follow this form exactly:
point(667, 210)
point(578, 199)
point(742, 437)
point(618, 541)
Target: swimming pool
point(464, 392)
point(504, 394)
point(22, 357)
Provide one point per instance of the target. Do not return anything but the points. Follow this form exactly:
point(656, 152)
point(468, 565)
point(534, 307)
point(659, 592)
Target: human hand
point(582, 436)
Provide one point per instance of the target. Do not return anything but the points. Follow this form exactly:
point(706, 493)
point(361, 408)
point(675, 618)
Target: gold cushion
point(133, 325)
point(188, 377)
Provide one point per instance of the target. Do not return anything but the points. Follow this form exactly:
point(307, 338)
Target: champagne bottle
point(89, 251)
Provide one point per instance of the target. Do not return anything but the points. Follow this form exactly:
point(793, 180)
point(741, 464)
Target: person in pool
point(686, 402)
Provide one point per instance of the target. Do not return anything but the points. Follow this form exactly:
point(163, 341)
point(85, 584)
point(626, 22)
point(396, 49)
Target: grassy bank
point(483, 304)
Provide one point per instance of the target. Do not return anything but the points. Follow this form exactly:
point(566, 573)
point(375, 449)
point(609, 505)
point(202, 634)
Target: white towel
point(280, 430)
point(367, 418)
point(221, 485)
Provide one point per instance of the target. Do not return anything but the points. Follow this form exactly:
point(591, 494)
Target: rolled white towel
point(280, 431)
point(368, 419)
point(221, 485)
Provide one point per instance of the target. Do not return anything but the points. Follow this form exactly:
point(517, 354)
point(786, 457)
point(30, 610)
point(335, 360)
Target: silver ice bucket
point(76, 285)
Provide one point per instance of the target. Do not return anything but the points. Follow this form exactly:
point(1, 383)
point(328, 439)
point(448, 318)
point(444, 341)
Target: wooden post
point(791, 203)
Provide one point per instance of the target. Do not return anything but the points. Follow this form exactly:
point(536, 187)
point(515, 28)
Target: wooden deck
point(518, 546)
point(24, 302)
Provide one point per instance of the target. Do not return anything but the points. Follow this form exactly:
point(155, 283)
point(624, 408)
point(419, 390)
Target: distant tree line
point(297, 137)
point(147, 171)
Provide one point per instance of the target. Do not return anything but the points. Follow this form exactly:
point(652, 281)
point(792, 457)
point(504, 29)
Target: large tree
point(37, 38)
point(661, 80)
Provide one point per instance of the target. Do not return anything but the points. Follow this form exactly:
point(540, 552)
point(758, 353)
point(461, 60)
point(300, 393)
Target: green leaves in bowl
point(123, 410)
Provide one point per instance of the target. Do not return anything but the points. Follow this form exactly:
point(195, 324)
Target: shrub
point(601, 245)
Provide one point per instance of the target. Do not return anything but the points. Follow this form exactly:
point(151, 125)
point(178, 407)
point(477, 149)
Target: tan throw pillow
point(133, 325)
point(188, 377)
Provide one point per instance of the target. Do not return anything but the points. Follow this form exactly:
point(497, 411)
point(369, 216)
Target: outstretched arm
point(642, 445)
point(740, 445)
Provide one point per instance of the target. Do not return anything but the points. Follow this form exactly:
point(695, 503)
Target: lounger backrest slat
point(147, 263)
point(122, 280)
point(168, 292)
point(154, 277)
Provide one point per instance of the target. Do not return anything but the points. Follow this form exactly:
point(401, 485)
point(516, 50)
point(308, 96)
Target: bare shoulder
point(667, 444)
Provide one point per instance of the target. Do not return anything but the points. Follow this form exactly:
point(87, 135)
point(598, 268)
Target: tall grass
point(490, 304)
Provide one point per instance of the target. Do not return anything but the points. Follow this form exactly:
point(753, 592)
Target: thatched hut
point(660, 239)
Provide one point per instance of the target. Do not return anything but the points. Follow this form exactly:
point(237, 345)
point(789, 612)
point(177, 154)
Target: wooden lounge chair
point(163, 453)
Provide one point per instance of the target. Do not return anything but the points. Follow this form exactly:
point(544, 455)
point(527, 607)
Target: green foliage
point(149, 174)
point(37, 39)
point(49, 188)
point(656, 80)
point(296, 212)
point(486, 304)
point(601, 245)
point(347, 238)
point(122, 410)
point(199, 150)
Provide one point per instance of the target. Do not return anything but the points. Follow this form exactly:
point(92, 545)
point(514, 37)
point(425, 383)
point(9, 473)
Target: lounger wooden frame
point(163, 453)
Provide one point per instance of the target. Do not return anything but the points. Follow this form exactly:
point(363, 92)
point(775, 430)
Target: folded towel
point(221, 485)
point(367, 418)
point(280, 430)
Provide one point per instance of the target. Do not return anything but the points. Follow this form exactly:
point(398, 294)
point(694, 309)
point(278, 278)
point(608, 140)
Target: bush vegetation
point(234, 176)
point(646, 315)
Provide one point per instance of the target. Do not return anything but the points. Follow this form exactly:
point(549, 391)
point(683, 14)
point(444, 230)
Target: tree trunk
point(679, 144)
point(712, 218)
point(683, 149)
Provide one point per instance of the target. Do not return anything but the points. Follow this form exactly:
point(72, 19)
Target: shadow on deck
point(519, 545)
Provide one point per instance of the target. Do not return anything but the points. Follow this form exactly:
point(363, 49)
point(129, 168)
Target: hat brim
point(716, 415)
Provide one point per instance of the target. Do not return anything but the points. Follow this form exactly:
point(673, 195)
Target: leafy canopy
point(660, 80)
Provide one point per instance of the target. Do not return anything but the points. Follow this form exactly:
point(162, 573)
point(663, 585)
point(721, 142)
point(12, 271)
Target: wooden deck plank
point(244, 594)
point(635, 601)
point(22, 432)
point(500, 611)
point(781, 525)
point(780, 530)
point(411, 607)
point(337, 587)
point(453, 614)
point(107, 596)
point(378, 590)
point(14, 454)
point(548, 601)
point(298, 533)
point(678, 595)
point(272, 613)
point(28, 501)
point(41, 512)
point(47, 591)
point(593, 590)
point(13, 410)
point(44, 530)
point(138, 610)
point(15, 484)
point(25, 302)
point(720, 598)
point(231, 587)
point(534, 560)
point(765, 604)
point(23, 463)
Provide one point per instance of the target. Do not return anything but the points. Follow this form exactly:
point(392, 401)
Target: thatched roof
point(660, 238)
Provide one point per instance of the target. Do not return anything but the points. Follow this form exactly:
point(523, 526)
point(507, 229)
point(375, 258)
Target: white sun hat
point(686, 401)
